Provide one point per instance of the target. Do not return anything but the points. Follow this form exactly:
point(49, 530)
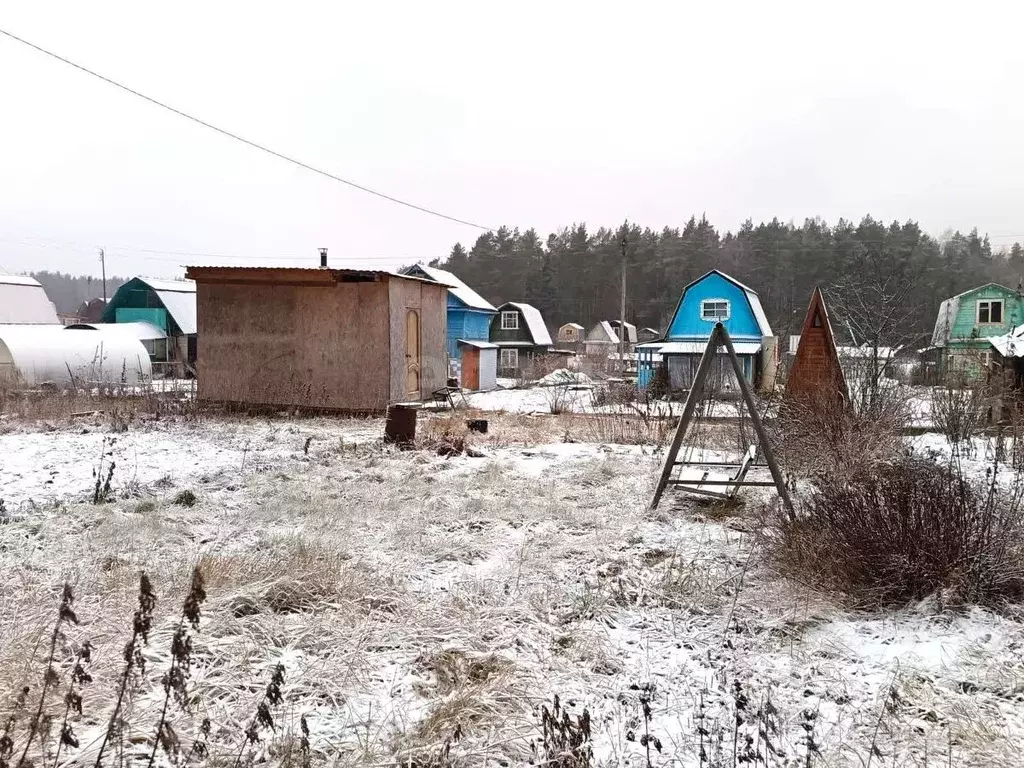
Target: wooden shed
point(331, 339)
point(816, 370)
point(478, 365)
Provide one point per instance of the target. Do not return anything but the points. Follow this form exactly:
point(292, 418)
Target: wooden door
point(471, 368)
point(412, 355)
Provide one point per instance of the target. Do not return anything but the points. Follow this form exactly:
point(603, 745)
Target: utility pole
point(622, 314)
point(103, 267)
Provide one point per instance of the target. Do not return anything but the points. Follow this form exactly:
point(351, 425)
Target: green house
point(967, 321)
point(169, 306)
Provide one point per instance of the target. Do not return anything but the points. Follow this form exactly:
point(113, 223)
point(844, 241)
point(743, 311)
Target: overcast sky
point(525, 114)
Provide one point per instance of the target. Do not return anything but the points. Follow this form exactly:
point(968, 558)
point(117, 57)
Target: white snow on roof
point(23, 300)
point(182, 286)
point(606, 331)
point(577, 326)
point(477, 344)
point(18, 280)
point(534, 322)
point(140, 329)
point(458, 289)
point(602, 332)
point(179, 299)
point(1009, 344)
point(698, 347)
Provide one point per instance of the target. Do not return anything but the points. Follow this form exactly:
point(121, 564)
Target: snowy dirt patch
point(411, 597)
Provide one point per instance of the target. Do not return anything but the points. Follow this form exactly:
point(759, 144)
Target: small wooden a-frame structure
point(816, 372)
point(719, 338)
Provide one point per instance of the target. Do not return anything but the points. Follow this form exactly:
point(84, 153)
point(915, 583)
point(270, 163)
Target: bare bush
point(638, 428)
point(820, 436)
point(958, 410)
point(906, 530)
point(560, 398)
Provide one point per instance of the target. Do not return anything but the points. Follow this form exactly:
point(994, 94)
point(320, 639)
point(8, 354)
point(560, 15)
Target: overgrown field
point(424, 608)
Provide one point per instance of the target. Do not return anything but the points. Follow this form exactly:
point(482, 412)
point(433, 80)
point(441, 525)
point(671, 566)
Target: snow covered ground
point(411, 596)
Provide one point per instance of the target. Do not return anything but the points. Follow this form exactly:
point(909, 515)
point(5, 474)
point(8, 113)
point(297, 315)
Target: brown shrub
point(903, 531)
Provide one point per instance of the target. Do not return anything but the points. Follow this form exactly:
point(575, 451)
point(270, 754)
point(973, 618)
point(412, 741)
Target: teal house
point(967, 323)
point(169, 306)
point(714, 298)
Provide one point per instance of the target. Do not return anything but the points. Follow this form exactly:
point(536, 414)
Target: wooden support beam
point(719, 338)
point(692, 398)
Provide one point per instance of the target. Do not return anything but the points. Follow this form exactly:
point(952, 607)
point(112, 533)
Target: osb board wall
point(431, 303)
point(311, 346)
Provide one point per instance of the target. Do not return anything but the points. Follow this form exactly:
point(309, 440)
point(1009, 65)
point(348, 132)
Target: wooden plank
point(751, 483)
point(755, 419)
point(692, 398)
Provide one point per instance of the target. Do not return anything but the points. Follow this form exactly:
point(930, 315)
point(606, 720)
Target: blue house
point(469, 315)
point(714, 298)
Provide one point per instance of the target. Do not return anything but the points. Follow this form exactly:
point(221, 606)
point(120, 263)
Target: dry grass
point(424, 608)
point(109, 409)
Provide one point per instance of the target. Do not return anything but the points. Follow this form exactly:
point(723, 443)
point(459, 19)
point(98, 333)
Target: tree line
point(866, 269)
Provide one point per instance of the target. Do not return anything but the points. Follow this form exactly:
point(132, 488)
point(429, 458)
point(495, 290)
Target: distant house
point(570, 333)
point(169, 305)
point(332, 339)
point(24, 302)
point(603, 338)
point(469, 320)
point(714, 298)
point(519, 332)
point(964, 326)
point(643, 335)
point(91, 311)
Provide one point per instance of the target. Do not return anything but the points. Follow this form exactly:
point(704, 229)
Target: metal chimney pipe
point(323, 258)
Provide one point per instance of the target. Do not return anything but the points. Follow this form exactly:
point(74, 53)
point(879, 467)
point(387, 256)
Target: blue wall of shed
point(465, 323)
point(688, 324)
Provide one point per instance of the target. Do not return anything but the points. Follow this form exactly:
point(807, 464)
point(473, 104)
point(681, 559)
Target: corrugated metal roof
point(319, 271)
point(456, 287)
point(534, 322)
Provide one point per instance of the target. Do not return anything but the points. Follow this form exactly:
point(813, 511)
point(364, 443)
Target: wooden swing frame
point(720, 338)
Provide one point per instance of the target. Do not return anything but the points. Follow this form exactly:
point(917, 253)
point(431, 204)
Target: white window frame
point(989, 303)
point(510, 320)
point(507, 355)
point(715, 318)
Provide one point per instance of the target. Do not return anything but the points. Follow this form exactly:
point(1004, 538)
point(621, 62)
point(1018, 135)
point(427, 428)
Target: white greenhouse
point(51, 355)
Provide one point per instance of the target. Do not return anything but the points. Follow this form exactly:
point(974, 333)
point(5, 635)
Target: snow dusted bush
point(906, 530)
point(821, 436)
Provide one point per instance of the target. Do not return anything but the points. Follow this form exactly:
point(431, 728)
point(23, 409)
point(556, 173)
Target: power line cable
point(244, 140)
point(112, 250)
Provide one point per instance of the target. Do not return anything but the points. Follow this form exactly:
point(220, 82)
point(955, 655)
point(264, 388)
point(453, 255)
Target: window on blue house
point(714, 309)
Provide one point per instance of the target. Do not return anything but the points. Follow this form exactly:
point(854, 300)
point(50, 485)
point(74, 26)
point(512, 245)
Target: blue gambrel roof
point(747, 317)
